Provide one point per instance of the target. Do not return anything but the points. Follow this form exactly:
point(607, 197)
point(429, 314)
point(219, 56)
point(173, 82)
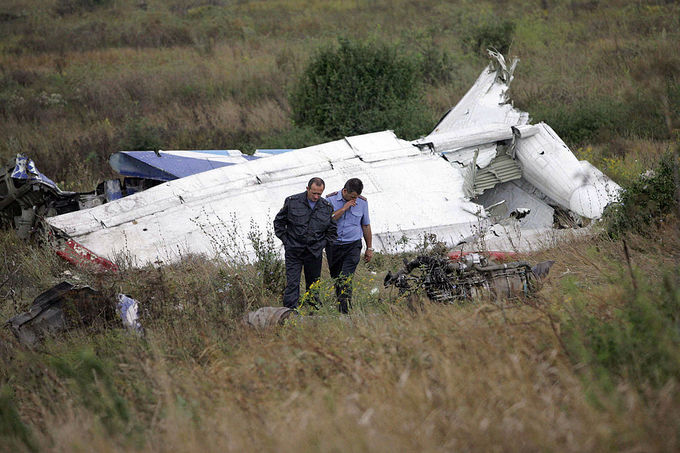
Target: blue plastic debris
point(25, 169)
point(128, 310)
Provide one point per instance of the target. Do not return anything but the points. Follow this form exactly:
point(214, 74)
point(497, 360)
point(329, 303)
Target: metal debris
point(266, 317)
point(60, 308)
point(448, 280)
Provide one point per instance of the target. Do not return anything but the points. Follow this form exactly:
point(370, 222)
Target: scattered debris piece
point(128, 309)
point(25, 194)
point(448, 280)
point(82, 257)
point(59, 309)
point(266, 317)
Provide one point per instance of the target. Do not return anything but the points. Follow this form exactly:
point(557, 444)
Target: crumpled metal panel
point(466, 137)
point(514, 197)
point(546, 161)
point(487, 101)
point(26, 170)
point(464, 157)
point(213, 212)
point(502, 169)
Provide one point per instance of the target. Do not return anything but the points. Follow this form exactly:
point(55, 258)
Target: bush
point(436, 66)
point(584, 120)
point(360, 88)
point(295, 137)
point(647, 200)
point(600, 119)
point(491, 35)
point(141, 136)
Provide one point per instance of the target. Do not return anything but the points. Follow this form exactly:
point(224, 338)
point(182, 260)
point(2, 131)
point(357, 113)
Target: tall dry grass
point(496, 375)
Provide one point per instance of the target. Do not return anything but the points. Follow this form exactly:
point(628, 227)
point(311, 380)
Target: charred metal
point(447, 280)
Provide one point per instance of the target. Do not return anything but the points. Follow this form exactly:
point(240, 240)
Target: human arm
point(368, 237)
point(337, 214)
point(281, 222)
point(331, 232)
point(349, 204)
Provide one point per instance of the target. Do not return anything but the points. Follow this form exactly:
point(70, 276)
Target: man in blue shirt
point(350, 210)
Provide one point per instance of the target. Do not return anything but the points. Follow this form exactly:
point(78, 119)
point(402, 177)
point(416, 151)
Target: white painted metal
point(411, 190)
point(487, 101)
point(473, 136)
point(551, 167)
point(464, 157)
point(540, 215)
point(228, 155)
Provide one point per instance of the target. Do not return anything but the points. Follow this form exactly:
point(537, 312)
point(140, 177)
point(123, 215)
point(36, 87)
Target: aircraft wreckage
point(483, 175)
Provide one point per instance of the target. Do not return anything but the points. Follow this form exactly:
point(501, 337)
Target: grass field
point(590, 363)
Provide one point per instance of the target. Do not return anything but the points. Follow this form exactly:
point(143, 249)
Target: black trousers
point(296, 260)
point(343, 260)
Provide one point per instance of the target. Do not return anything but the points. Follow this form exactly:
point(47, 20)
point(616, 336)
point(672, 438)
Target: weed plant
point(647, 201)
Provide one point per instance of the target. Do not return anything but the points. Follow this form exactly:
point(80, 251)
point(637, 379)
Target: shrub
point(602, 118)
point(141, 136)
point(271, 270)
point(584, 120)
point(496, 35)
point(359, 88)
point(647, 200)
point(436, 65)
point(294, 137)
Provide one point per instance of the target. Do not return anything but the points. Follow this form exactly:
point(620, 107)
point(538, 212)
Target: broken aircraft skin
point(26, 194)
point(60, 308)
point(66, 306)
point(482, 162)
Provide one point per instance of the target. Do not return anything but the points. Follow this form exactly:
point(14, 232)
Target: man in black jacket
point(305, 225)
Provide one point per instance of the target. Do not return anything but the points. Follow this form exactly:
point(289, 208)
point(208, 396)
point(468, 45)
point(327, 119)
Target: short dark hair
point(316, 181)
point(354, 185)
